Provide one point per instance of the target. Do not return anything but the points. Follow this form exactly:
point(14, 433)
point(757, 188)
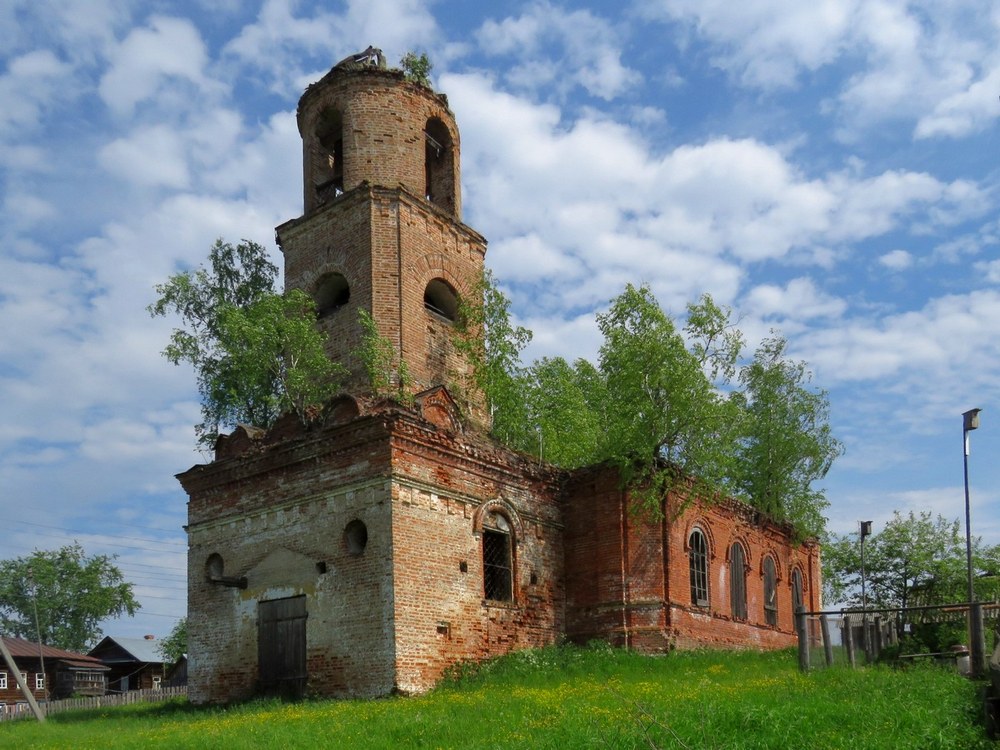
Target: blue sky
point(828, 169)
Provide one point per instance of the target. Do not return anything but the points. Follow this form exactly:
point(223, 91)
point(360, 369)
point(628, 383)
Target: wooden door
point(281, 646)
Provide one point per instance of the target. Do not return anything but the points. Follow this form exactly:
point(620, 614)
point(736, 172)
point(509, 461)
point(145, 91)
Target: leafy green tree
point(174, 646)
point(388, 375)
point(492, 346)
point(417, 68)
point(257, 354)
point(665, 419)
point(786, 444)
point(916, 559)
point(660, 406)
point(570, 432)
point(72, 593)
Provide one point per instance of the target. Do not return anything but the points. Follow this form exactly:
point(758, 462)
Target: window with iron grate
point(698, 563)
point(498, 578)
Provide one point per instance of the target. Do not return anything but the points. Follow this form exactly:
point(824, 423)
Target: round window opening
point(355, 537)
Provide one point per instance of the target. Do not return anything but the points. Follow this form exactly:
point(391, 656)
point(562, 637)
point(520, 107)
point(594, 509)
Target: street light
point(866, 530)
point(970, 422)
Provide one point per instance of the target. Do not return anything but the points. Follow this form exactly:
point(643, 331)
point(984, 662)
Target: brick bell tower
point(381, 229)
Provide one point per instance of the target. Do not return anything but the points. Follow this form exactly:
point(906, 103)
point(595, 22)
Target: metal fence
point(22, 710)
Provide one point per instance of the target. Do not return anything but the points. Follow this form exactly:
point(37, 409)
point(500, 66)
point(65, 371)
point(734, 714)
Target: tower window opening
point(332, 293)
point(439, 165)
point(330, 170)
point(441, 299)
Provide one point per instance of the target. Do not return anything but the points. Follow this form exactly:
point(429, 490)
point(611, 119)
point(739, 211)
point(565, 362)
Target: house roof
point(140, 649)
point(23, 649)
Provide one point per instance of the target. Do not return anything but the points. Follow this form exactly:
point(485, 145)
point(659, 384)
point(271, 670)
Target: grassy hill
point(571, 698)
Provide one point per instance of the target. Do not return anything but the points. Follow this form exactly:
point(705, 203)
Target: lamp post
point(970, 422)
point(866, 530)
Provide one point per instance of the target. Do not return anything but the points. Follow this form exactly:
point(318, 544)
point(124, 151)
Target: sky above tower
point(826, 169)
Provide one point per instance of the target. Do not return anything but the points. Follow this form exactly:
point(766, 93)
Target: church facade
point(366, 555)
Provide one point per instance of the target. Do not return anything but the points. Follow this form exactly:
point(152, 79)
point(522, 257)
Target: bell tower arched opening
point(439, 165)
point(328, 179)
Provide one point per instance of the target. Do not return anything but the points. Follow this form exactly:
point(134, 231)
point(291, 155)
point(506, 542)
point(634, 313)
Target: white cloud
point(800, 299)
point(896, 260)
point(27, 88)
point(26, 210)
point(990, 271)
point(169, 51)
point(153, 156)
point(923, 350)
point(929, 65)
point(556, 47)
point(279, 40)
point(766, 43)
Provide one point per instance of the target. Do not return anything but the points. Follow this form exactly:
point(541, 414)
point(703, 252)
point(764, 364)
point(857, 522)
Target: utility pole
point(35, 709)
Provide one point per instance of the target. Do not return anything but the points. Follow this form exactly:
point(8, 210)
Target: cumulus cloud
point(766, 44)
point(930, 68)
point(561, 48)
point(800, 299)
point(896, 260)
point(281, 41)
point(27, 87)
point(168, 51)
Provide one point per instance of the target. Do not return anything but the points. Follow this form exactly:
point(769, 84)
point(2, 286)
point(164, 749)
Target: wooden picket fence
point(97, 701)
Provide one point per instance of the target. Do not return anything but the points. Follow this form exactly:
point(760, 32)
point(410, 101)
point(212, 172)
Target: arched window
point(698, 565)
point(498, 558)
point(770, 592)
point(440, 298)
point(332, 293)
point(329, 176)
point(738, 581)
point(215, 568)
point(797, 599)
point(439, 165)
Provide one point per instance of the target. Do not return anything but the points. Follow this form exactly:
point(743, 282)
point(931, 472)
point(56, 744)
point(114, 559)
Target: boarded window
point(498, 578)
point(797, 589)
point(281, 646)
point(698, 564)
point(770, 592)
point(738, 582)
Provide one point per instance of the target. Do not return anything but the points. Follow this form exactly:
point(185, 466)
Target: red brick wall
point(628, 578)
point(441, 488)
point(278, 517)
point(384, 119)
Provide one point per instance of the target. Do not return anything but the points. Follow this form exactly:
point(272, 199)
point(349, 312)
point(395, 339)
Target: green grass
point(571, 698)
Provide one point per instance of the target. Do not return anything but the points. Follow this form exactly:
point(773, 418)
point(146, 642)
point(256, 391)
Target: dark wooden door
point(281, 646)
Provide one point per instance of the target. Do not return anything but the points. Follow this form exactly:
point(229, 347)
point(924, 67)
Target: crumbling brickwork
point(367, 554)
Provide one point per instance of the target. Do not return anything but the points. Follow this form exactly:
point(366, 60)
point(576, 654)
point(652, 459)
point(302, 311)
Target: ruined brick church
point(364, 555)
